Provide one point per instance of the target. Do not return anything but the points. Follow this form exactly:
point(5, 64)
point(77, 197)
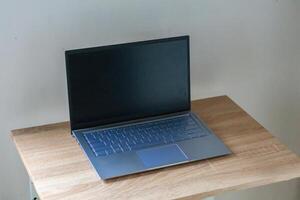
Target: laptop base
point(149, 158)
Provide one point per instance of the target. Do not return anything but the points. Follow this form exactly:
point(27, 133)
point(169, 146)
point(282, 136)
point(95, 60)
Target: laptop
point(130, 107)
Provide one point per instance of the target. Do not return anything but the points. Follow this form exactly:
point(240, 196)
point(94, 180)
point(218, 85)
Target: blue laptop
point(130, 107)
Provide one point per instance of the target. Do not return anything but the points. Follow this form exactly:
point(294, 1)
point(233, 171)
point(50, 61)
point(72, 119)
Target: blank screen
point(129, 81)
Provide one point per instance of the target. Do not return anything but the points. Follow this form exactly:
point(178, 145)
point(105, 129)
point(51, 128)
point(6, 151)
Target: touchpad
point(162, 155)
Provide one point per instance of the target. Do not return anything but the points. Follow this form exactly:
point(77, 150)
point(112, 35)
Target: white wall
point(249, 50)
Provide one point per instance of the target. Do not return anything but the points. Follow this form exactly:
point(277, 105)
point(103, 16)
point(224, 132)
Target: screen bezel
point(84, 125)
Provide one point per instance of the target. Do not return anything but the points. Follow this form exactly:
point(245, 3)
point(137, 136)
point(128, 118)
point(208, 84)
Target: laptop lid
point(117, 83)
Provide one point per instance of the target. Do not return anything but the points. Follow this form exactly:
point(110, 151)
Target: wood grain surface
point(60, 170)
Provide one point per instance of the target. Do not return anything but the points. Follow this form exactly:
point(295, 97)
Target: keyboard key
point(118, 150)
point(125, 148)
point(102, 149)
point(97, 144)
point(100, 153)
point(109, 151)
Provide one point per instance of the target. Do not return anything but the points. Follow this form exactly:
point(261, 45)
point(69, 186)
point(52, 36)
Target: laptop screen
point(130, 81)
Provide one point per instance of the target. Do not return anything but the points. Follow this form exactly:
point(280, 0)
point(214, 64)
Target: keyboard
point(138, 136)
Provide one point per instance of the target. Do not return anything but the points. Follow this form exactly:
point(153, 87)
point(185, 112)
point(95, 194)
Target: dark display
point(117, 83)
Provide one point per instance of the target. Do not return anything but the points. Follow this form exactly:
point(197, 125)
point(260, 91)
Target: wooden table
point(59, 169)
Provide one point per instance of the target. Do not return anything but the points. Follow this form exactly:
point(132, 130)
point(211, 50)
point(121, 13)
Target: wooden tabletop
point(60, 170)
